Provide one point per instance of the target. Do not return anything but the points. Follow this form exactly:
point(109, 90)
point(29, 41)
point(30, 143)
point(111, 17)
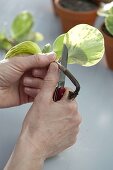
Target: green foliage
point(58, 45)
point(47, 48)
point(21, 25)
point(85, 46)
point(21, 30)
point(106, 1)
point(4, 42)
point(109, 24)
point(24, 48)
point(107, 12)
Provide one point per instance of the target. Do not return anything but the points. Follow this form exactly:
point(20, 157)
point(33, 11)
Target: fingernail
point(52, 56)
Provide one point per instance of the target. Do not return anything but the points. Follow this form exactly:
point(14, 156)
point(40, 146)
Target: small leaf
point(38, 36)
point(5, 44)
point(58, 45)
point(35, 36)
point(109, 24)
point(21, 25)
point(47, 48)
point(26, 47)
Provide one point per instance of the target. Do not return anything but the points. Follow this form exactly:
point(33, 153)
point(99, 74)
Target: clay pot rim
point(72, 11)
point(109, 36)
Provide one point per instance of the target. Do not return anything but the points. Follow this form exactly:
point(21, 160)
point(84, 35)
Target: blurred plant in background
point(107, 12)
point(21, 30)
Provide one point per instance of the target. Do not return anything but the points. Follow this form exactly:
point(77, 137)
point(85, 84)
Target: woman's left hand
point(21, 78)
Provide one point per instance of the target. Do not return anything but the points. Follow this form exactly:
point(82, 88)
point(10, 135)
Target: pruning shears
point(60, 89)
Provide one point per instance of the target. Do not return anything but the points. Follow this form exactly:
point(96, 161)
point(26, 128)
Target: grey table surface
point(94, 147)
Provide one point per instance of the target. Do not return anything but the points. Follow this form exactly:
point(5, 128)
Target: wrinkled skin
point(48, 128)
point(14, 73)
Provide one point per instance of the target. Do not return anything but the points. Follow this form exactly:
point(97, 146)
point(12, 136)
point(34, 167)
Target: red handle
point(58, 94)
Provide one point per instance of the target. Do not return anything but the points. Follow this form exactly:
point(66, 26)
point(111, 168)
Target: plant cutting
point(107, 30)
point(74, 12)
point(21, 30)
point(85, 45)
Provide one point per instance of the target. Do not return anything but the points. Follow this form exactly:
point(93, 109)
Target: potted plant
point(107, 31)
point(73, 12)
point(21, 30)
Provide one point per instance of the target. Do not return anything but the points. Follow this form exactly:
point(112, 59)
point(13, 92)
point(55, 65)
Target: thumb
point(50, 83)
point(24, 63)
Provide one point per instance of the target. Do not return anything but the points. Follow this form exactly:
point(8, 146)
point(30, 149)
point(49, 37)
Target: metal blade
point(63, 62)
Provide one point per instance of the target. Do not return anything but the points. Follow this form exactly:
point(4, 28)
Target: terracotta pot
point(54, 7)
point(108, 48)
point(71, 18)
point(97, 1)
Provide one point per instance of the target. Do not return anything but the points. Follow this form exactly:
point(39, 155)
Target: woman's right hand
point(51, 127)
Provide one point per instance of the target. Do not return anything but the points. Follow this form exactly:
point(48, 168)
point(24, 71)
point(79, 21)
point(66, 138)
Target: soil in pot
point(78, 5)
point(108, 46)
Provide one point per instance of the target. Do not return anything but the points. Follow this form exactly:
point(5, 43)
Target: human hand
point(14, 71)
point(33, 82)
point(50, 127)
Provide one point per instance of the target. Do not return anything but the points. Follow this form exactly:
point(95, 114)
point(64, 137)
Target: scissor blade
point(63, 62)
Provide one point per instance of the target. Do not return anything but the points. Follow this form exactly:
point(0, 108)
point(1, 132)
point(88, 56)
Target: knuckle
point(76, 120)
point(32, 81)
point(50, 78)
point(69, 122)
point(36, 58)
point(77, 131)
point(50, 82)
point(74, 140)
point(79, 119)
point(70, 107)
